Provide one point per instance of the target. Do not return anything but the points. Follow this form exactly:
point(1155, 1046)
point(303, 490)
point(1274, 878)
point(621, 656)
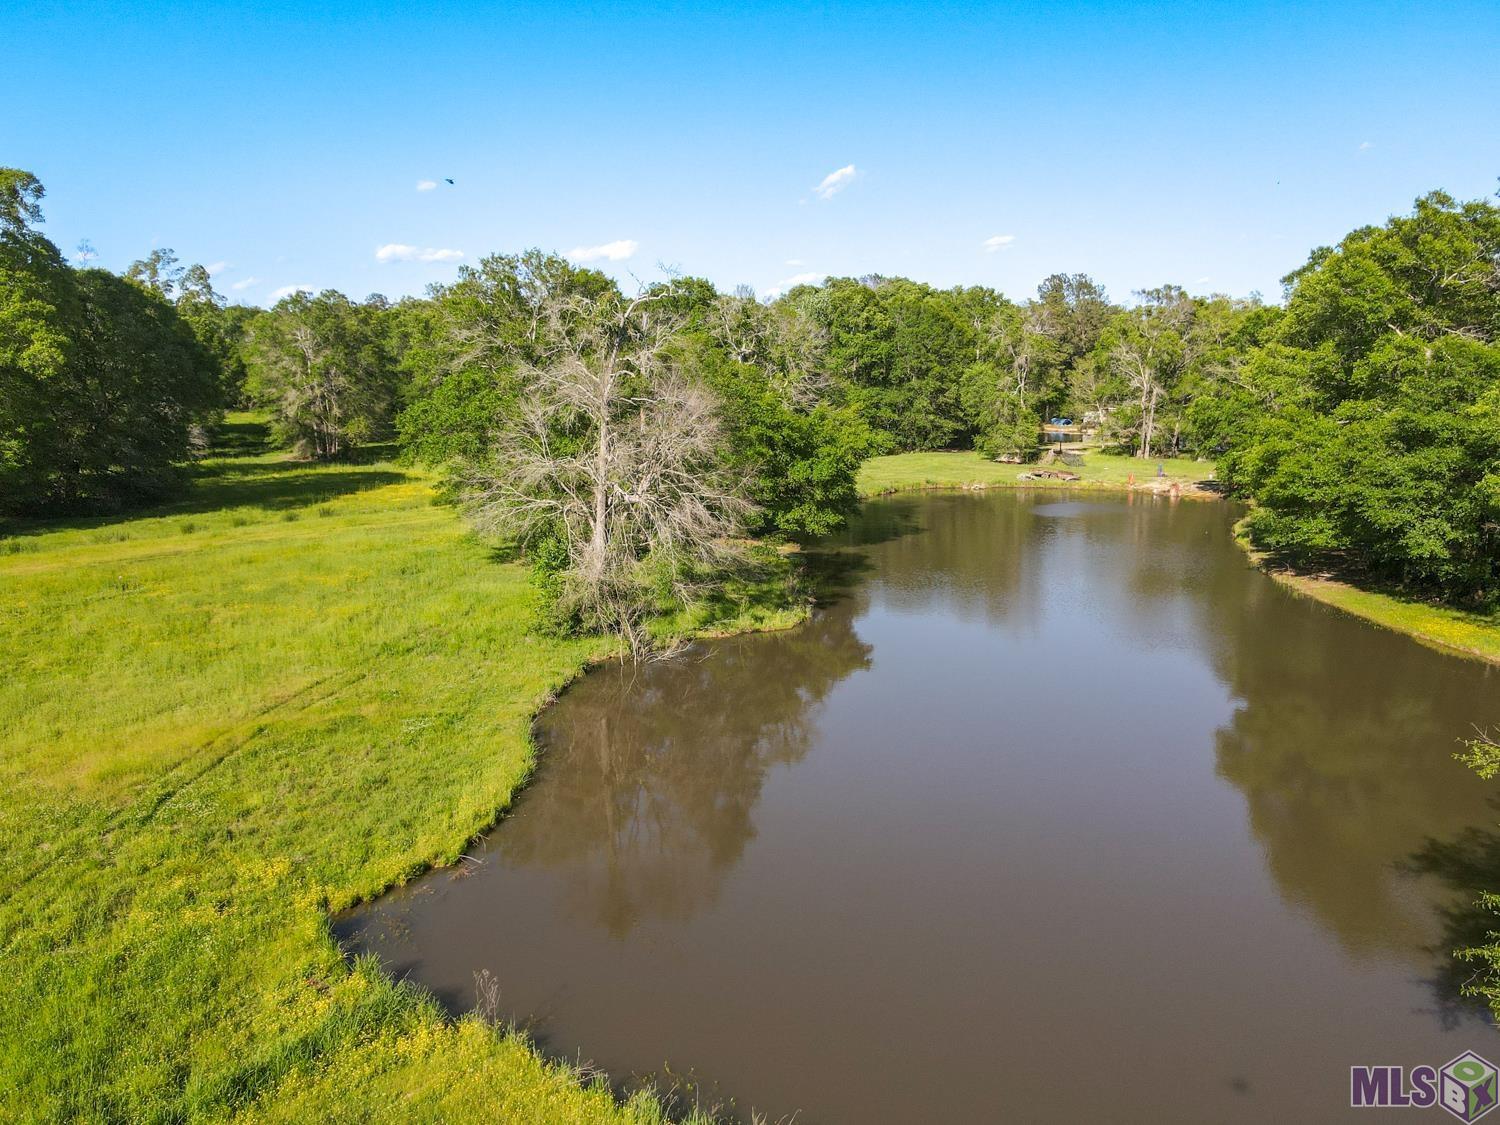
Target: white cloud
point(794, 261)
point(400, 252)
point(998, 242)
point(215, 268)
point(1365, 146)
point(288, 290)
point(426, 185)
point(616, 251)
point(238, 286)
point(835, 182)
point(792, 282)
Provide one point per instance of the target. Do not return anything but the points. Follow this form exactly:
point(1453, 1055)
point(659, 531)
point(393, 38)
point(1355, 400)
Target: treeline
point(106, 386)
point(1361, 415)
point(1367, 426)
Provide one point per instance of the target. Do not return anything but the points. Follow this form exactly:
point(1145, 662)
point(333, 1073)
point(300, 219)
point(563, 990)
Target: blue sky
point(1206, 144)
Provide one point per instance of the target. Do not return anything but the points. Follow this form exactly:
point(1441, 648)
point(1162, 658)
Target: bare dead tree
point(781, 339)
point(616, 452)
point(1135, 360)
point(742, 326)
point(801, 347)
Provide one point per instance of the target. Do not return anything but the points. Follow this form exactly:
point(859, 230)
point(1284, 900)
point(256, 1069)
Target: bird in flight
point(446, 180)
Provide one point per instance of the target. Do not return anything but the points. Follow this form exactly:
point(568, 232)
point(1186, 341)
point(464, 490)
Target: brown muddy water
point(1061, 811)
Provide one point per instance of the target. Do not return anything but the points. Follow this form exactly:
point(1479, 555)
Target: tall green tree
point(221, 329)
point(102, 385)
point(39, 316)
point(1428, 274)
point(461, 351)
point(321, 365)
point(896, 352)
point(1386, 458)
point(1015, 379)
point(799, 459)
point(1075, 310)
point(143, 390)
point(1146, 349)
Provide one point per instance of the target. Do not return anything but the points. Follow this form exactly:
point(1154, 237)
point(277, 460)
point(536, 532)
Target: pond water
point(1061, 811)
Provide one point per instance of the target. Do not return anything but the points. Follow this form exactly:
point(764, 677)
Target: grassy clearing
point(906, 471)
point(220, 721)
point(1442, 627)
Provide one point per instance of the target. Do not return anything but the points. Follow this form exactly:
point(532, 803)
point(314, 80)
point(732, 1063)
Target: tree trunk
point(1144, 449)
point(1148, 414)
point(598, 540)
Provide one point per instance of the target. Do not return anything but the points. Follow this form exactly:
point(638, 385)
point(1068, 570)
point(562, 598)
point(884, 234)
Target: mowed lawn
point(904, 471)
point(220, 721)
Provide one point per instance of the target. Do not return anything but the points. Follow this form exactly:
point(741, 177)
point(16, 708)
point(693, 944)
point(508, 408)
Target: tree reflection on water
point(653, 771)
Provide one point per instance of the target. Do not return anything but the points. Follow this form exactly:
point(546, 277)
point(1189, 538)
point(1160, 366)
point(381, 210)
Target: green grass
point(905, 471)
point(1447, 628)
point(1443, 627)
point(222, 720)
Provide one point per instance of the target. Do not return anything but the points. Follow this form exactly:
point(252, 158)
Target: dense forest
point(631, 442)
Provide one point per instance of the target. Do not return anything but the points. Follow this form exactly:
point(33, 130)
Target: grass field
point(220, 721)
point(904, 471)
